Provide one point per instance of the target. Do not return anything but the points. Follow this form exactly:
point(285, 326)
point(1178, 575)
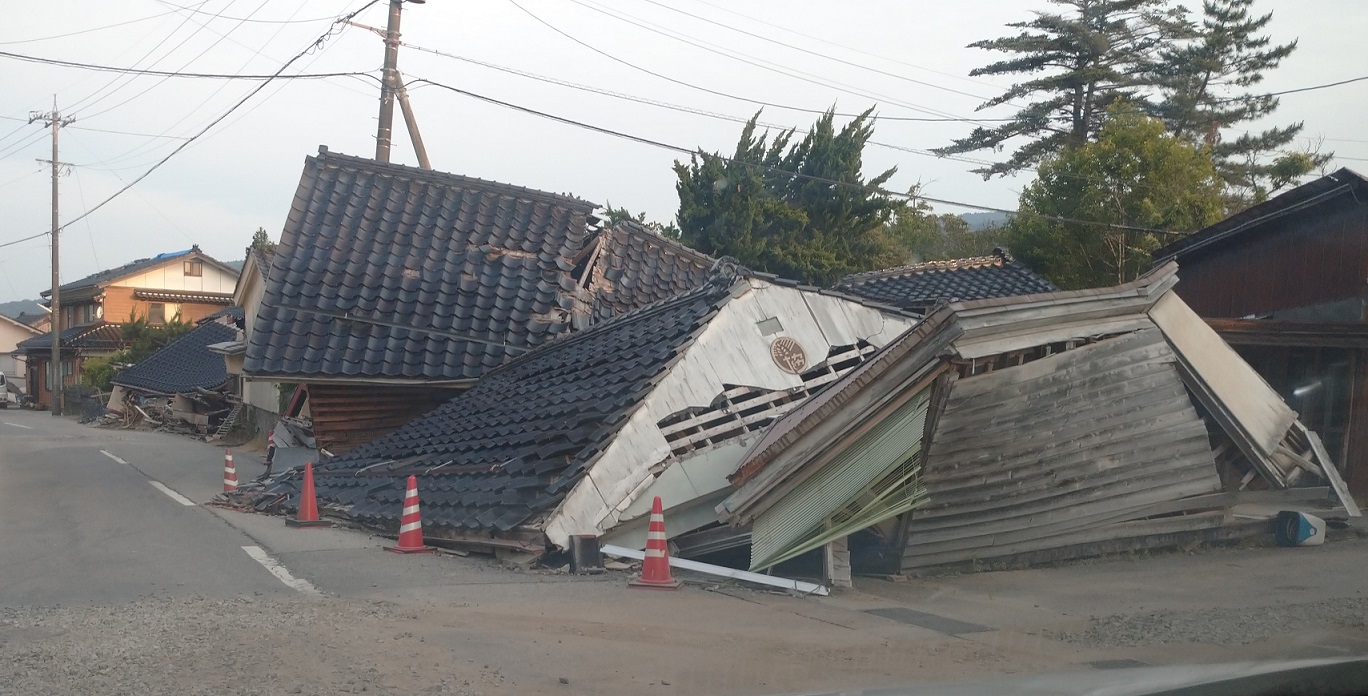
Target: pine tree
point(748, 207)
point(1081, 62)
point(1205, 84)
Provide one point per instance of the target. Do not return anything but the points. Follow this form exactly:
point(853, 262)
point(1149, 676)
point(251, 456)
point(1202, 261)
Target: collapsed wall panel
point(1030, 457)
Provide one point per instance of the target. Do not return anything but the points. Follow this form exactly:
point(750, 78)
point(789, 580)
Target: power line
point(119, 132)
point(191, 8)
point(766, 65)
point(87, 31)
point(776, 170)
point(800, 49)
point(338, 25)
point(663, 104)
point(24, 239)
point(700, 88)
point(1316, 87)
point(173, 73)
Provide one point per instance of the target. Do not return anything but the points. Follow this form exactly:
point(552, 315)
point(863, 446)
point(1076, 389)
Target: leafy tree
point(1205, 84)
point(926, 236)
point(615, 215)
point(747, 207)
point(262, 240)
point(1134, 175)
point(141, 338)
point(1080, 62)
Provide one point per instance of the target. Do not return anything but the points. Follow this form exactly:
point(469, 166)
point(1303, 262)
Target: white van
point(4, 392)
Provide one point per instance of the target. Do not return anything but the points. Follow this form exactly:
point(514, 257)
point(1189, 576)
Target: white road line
point(25, 427)
point(298, 584)
point(174, 495)
point(111, 455)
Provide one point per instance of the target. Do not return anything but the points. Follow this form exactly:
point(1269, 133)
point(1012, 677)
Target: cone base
point(668, 585)
point(306, 524)
point(411, 549)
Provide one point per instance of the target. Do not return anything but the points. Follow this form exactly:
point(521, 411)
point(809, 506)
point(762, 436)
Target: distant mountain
point(979, 221)
point(17, 307)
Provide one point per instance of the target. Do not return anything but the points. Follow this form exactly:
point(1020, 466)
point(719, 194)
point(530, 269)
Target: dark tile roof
point(235, 313)
point(925, 284)
point(1313, 192)
point(396, 272)
point(97, 279)
point(98, 336)
point(184, 364)
point(32, 318)
point(262, 258)
point(512, 446)
point(638, 267)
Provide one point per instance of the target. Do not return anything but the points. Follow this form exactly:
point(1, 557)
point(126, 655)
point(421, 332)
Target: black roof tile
point(921, 286)
point(183, 365)
point(386, 254)
point(516, 442)
point(98, 336)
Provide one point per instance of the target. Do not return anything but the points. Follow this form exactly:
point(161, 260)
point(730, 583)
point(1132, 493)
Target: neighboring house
point(394, 288)
point(12, 365)
point(578, 435)
point(38, 320)
point(185, 371)
point(922, 286)
point(186, 285)
point(1030, 429)
point(1286, 283)
point(262, 398)
point(78, 344)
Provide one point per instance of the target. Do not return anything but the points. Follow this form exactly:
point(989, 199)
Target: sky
point(909, 58)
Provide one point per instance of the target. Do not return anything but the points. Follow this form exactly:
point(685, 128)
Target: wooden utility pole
point(392, 89)
point(55, 378)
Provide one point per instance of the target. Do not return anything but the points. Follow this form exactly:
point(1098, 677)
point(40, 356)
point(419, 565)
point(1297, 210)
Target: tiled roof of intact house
point(512, 446)
point(133, 267)
point(636, 267)
point(924, 284)
point(98, 336)
point(183, 365)
point(386, 271)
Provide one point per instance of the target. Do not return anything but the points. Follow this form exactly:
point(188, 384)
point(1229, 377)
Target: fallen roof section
point(184, 365)
point(1047, 422)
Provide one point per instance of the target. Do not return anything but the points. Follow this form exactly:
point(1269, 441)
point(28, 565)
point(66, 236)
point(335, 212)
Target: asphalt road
point(79, 526)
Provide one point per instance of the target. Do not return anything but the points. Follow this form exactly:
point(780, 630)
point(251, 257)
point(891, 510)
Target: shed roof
point(1310, 194)
point(183, 365)
point(98, 336)
point(924, 284)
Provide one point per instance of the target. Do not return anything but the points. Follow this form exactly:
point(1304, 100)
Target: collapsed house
point(184, 386)
point(571, 438)
point(393, 289)
point(1032, 428)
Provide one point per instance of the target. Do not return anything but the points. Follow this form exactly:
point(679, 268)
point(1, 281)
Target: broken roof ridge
point(721, 282)
point(326, 157)
point(636, 228)
point(999, 257)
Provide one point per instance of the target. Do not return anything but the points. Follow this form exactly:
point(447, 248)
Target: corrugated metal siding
point(1029, 458)
point(790, 525)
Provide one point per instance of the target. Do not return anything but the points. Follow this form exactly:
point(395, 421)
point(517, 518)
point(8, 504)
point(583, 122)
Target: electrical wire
point(767, 65)
point(666, 105)
point(338, 25)
point(87, 31)
point(776, 170)
point(97, 95)
point(818, 54)
point(1316, 87)
point(707, 90)
point(191, 8)
point(173, 73)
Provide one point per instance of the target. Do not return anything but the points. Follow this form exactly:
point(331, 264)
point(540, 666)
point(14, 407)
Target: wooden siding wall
point(1065, 450)
point(349, 415)
point(1307, 258)
point(119, 303)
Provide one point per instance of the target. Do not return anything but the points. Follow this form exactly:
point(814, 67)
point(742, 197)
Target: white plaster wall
point(730, 351)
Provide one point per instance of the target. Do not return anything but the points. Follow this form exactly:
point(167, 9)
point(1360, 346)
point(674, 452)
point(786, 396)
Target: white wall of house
point(11, 333)
point(171, 276)
point(732, 350)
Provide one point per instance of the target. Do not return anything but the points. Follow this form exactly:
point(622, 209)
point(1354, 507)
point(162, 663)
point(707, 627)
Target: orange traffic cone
point(307, 513)
point(655, 570)
point(411, 524)
point(229, 472)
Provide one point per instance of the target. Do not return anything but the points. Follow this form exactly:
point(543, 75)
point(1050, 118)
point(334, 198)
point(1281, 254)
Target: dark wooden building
point(1286, 283)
